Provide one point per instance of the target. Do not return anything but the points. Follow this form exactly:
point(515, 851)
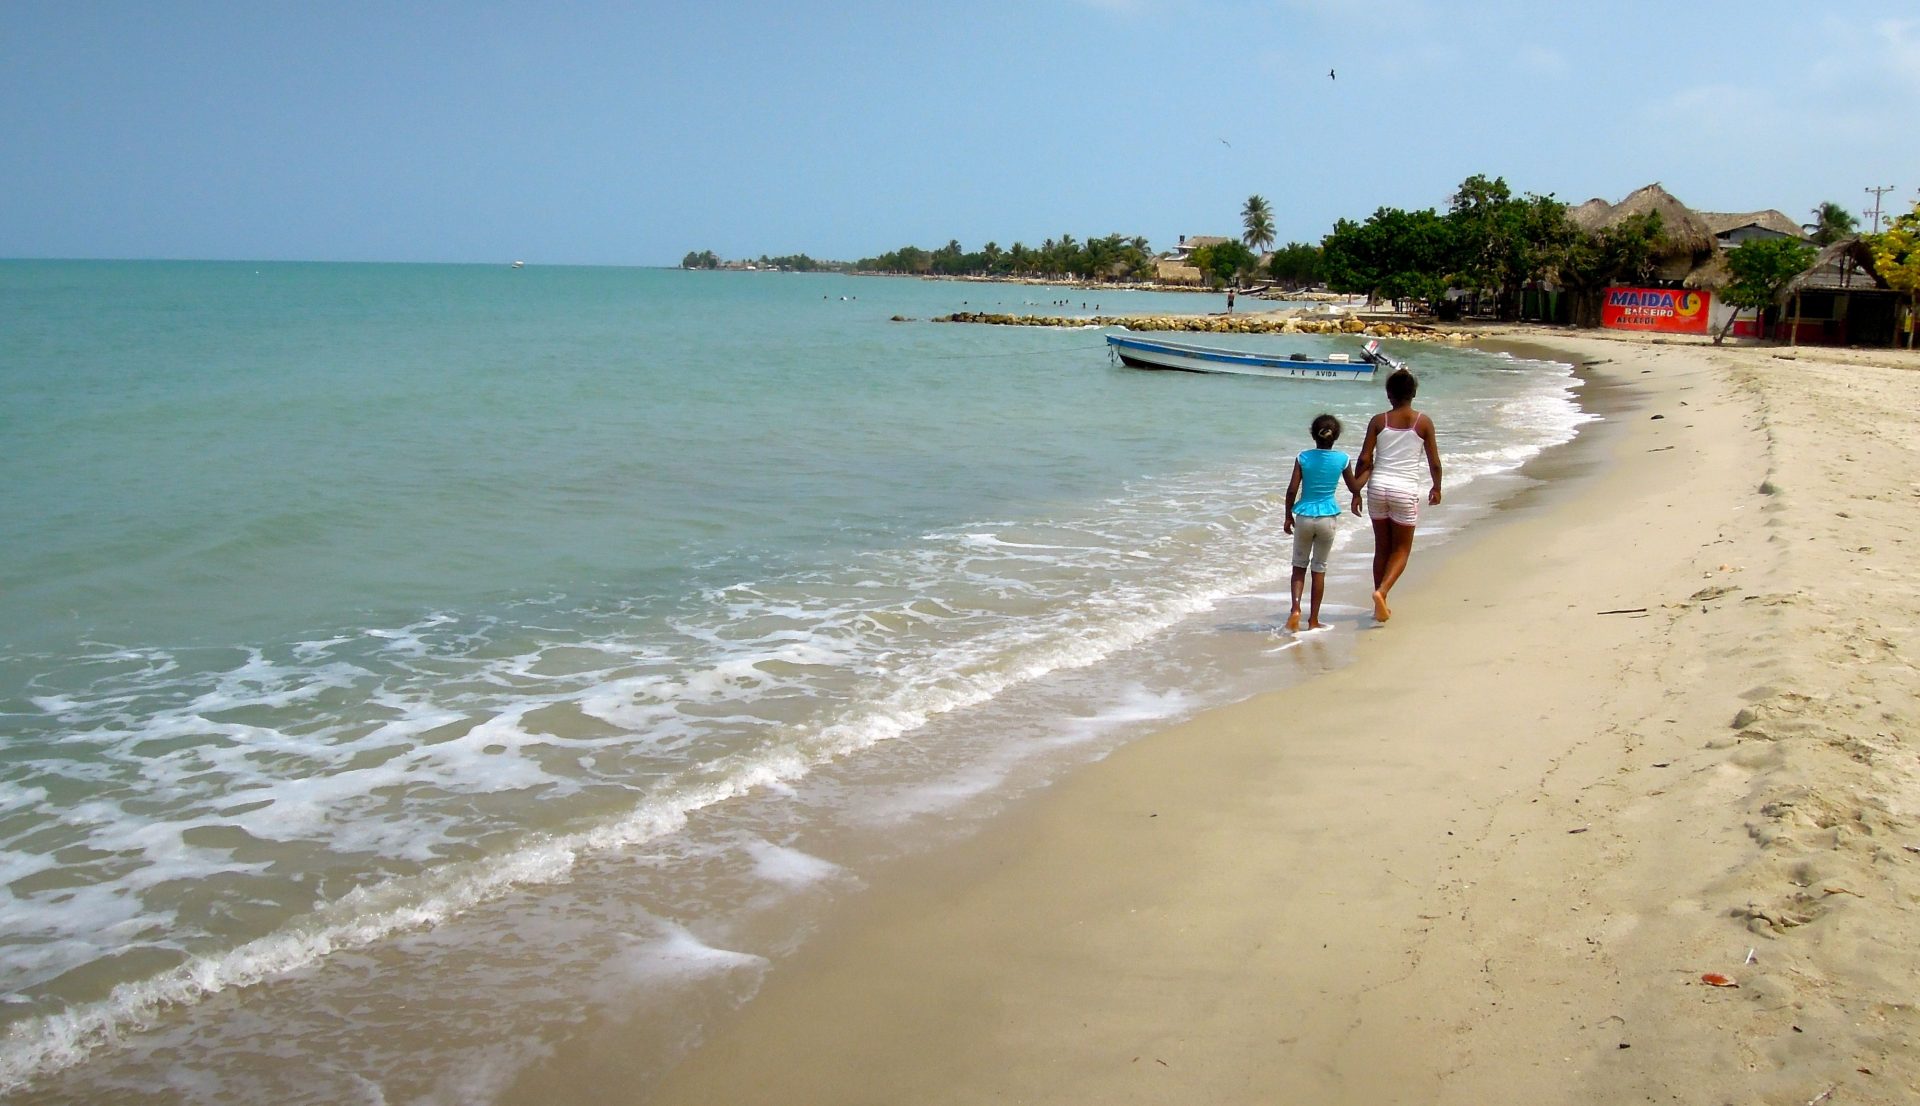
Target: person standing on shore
point(1229, 301)
point(1389, 470)
point(1313, 516)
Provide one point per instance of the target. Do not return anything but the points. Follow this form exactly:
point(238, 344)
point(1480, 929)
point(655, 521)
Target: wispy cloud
point(1543, 61)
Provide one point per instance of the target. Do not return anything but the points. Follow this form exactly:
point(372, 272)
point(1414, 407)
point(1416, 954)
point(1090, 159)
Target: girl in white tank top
point(1400, 457)
point(1394, 463)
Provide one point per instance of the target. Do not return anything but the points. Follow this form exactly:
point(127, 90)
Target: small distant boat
point(519, 265)
point(1153, 353)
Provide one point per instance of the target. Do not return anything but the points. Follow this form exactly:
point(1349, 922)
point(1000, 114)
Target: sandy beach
point(1646, 733)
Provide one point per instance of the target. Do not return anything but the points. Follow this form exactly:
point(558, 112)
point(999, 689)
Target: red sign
point(1672, 310)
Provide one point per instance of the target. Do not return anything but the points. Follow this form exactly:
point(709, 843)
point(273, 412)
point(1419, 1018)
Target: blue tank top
point(1320, 471)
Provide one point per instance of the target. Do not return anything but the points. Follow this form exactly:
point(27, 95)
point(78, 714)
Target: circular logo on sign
point(1687, 304)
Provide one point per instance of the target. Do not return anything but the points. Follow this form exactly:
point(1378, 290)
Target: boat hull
point(1147, 353)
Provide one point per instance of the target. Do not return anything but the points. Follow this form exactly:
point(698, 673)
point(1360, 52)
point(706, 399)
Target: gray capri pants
point(1313, 541)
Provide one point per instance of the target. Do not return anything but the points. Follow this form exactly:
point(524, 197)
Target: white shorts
point(1398, 504)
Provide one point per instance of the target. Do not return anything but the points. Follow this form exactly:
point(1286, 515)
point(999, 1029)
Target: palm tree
point(1831, 223)
point(1257, 218)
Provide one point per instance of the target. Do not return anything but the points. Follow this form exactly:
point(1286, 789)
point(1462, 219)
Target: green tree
point(1223, 262)
point(704, 259)
point(1065, 253)
point(1346, 257)
point(1761, 270)
point(1591, 260)
point(1504, 242)
point(1257, 219)
point(1480, 213)
point(1295, 264)
point(1831, 223)
point(1395, 254)
point(948, 260)
point(1896, 255)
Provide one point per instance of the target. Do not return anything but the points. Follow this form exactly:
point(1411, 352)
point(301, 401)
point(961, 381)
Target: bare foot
point(1380, 611)
point(1293, 621)
point(1316, 625)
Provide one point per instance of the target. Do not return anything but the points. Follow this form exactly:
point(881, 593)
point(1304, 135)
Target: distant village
point(1647, 262)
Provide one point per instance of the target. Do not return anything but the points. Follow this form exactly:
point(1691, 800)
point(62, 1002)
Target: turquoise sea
point(405, 668)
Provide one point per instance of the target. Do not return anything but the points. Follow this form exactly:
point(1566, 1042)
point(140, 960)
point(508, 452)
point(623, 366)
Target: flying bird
point(1330, 76)
point(1227, 144)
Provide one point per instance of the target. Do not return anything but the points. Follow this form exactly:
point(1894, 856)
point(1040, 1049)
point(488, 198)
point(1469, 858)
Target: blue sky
point(631, 133)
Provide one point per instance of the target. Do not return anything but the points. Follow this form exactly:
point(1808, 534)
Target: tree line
point(797, 262)
point(1491, 241)
point(1113, 257)
point(1489, 245)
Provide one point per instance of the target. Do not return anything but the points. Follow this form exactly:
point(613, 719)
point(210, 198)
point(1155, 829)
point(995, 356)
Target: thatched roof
point(1680, 225)
point(1687, 239)
point(1847, 265)
point(1777, 221)
point(1591, 215)
point(1711, 274)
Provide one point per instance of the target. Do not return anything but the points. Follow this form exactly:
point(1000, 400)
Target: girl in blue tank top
point(1313, 515)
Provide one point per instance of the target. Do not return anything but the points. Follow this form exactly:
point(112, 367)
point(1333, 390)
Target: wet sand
point(1653, 723)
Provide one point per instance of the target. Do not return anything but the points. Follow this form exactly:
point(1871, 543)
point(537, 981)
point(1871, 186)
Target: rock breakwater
point(1219, 324)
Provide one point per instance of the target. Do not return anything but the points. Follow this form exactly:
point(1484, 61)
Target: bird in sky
point(1227, 144)
point(1330, 76)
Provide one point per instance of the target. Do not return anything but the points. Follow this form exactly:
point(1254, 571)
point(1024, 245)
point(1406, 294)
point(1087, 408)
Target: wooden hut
point(1841, 300)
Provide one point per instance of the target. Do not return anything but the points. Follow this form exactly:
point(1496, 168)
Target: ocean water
point(405, 669)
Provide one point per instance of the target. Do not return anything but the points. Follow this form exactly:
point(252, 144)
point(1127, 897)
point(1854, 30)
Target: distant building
point(1187, 245)
point(1840, 300)
point(1731, 229)
point(1173, 267)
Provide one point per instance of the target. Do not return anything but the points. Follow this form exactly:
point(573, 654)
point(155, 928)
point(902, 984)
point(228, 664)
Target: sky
point(632, 133)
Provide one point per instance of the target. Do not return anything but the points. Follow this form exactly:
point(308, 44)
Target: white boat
point(519, 264)
point(1155, 353)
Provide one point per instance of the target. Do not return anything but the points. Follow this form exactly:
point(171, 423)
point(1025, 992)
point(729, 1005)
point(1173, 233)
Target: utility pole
point(1877, 193)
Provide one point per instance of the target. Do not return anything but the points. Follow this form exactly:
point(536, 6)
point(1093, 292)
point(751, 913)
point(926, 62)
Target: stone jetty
point(1269, 323)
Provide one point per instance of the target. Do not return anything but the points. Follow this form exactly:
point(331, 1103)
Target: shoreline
point(1296, 896)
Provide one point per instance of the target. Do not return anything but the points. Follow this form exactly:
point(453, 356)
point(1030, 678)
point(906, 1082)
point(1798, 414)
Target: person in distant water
point(1313, 515)
point(1398, 441)
point(1229, 301)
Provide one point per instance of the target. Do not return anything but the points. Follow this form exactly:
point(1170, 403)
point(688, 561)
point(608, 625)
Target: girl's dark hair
point(1326, 430)
point(1401, 387)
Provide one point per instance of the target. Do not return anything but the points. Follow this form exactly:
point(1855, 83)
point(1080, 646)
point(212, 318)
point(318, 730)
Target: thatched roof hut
point(1680, 225)
point(1845, 266)
point(1689, 240)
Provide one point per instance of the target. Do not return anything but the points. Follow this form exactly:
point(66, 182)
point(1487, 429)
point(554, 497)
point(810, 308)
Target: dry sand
point(1491, 860)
